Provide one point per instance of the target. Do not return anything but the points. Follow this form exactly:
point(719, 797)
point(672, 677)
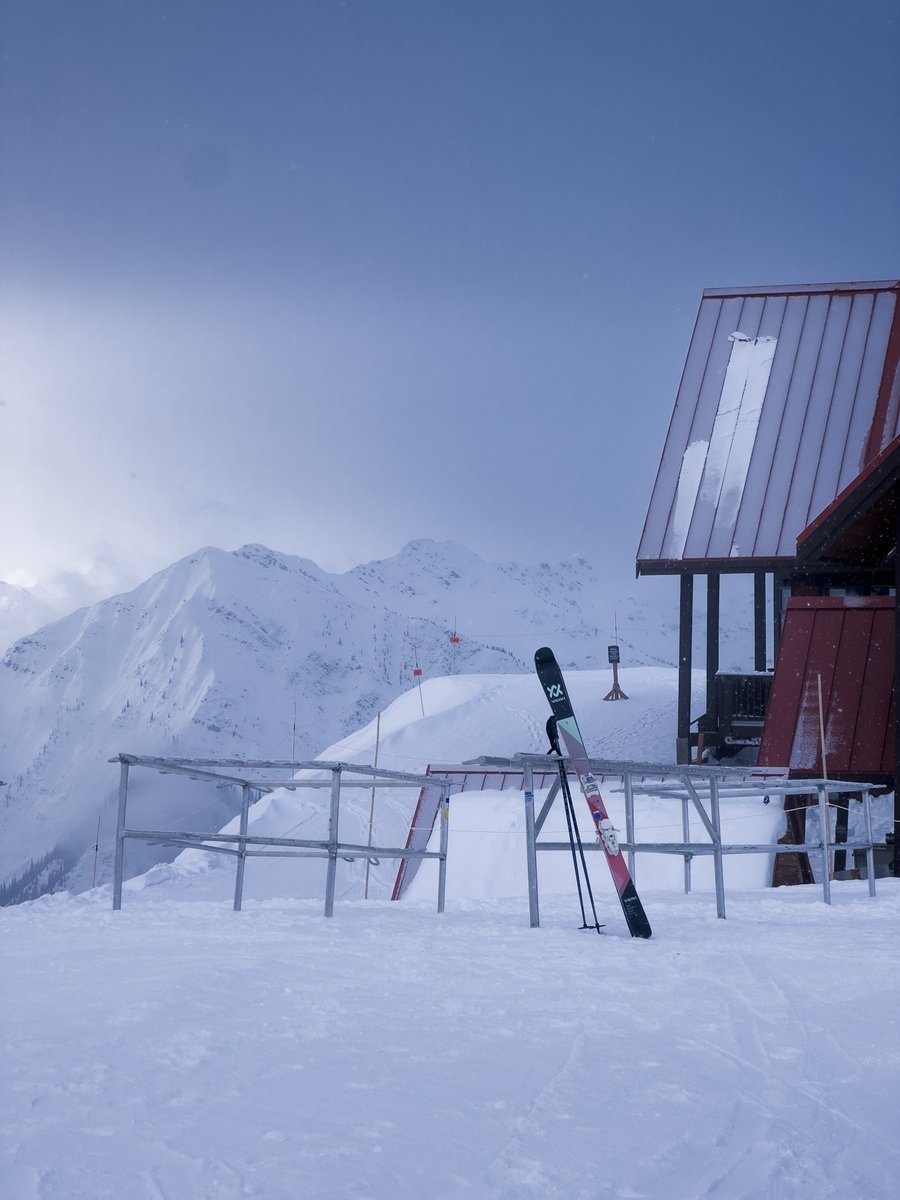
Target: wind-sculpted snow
point(214, 656)
point(185, 1051)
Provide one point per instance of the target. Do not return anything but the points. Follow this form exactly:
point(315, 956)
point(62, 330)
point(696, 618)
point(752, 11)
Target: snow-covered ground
point(177, 1050)
point(185, 1052)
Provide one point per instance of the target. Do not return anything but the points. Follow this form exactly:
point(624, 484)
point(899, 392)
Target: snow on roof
point(787, 394)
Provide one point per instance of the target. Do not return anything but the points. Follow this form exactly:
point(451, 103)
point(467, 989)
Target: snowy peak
point(422, 569)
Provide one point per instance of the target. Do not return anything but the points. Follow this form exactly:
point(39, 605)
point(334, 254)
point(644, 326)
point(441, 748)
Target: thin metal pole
point(333, 818)
point(96, 852)
point(534, 915)
point(824, 831)
point(577, 845)
point(567, 809)
point(708, 823)
point(686, 832)
point(870, 853)
point(717, 843)
point(545, 808)
point(242, 847)
point(444, 842)
point(372, 803)
point(629, 820)
point(119, 867)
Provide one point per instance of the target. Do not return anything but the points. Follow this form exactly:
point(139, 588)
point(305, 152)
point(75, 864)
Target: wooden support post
point(759, 621)
point(712, 658)
point(615, 692)
point(685, 647)
point(896, 866)
point(777, 613)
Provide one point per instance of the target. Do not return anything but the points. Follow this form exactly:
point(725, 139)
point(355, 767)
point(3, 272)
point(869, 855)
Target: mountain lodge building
point(782, 461)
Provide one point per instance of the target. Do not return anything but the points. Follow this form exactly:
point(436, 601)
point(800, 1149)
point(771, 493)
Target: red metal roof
point(859, 526)
point(848, 641)
point(787, 394)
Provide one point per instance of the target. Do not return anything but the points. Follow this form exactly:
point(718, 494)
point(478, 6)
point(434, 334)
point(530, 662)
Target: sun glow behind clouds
point(20, 577)
point(304, 419)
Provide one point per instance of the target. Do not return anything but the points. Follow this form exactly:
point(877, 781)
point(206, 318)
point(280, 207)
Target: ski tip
point(544, 655)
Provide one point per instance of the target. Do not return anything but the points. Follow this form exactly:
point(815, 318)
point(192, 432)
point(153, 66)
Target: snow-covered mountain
point(253, 653)
point(21, 612)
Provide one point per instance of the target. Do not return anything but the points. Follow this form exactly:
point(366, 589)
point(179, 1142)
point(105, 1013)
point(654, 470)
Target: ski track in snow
point(178, 1051)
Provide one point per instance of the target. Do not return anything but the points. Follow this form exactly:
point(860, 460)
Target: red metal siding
point(848, 643)
point(873, 743)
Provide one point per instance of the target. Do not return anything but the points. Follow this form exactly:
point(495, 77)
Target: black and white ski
point(561, 706)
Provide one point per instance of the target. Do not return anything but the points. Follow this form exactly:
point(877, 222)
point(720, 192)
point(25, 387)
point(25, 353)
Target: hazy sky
point(334, 274)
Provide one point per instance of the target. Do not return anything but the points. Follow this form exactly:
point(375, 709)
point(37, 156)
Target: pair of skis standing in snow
point(563, 723)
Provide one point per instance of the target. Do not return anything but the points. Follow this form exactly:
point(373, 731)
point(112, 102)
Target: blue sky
point(334, 275)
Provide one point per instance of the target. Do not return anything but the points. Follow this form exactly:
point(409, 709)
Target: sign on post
point(615, 692)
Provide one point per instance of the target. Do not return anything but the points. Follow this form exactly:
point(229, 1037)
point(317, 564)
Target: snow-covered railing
point(701, 788)
point(256, 776)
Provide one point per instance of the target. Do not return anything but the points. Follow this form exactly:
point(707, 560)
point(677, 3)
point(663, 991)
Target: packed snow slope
point(214, 656)
point(185, 1051)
